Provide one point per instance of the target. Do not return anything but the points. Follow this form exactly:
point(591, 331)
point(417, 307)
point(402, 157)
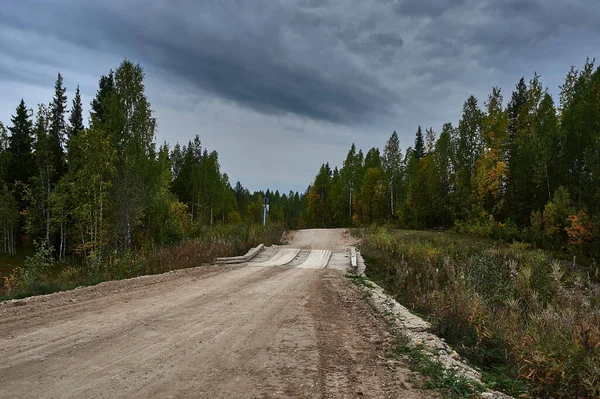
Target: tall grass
point(514, 311)
point(41, 274)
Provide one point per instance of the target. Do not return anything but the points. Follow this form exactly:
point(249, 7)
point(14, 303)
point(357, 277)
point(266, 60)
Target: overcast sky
point(279, 87)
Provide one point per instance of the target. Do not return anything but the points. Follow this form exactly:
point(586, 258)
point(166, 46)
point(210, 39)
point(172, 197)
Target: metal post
point(265, 210)
point(351, 190)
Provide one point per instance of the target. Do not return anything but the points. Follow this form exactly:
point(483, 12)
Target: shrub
point(42, 274)
point(503, 307)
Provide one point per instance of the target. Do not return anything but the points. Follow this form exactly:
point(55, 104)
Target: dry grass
point(514, 311)
point(42, 275)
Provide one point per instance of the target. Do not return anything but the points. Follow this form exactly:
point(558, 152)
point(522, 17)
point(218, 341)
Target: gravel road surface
point(245, 331)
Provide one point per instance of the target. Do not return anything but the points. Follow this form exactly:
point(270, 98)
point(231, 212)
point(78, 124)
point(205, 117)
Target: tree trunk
point(99, 230)
point(547, 181)
point(62, 238)
point(392, 199)
point(83, 244)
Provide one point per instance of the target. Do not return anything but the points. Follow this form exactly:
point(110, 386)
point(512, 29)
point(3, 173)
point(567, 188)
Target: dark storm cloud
point(294, 82)
point(425, 8)
point(277, 61)
point(337, 61)
point(502, 35)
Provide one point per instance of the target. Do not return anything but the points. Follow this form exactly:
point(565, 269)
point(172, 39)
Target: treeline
point(529, 169)
point(81, 191)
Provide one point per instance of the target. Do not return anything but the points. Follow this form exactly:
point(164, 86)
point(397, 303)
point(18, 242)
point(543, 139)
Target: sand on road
point(208, 332)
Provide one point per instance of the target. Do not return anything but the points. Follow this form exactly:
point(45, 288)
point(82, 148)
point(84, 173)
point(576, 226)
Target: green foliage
point(526, 170)
point(76, 116)
point(57, 130)
point(453, 384)
point(116, 198)
point(556, 214)
point(373, 197)
point(360, 279)
point(392, 167)
point(33, 277)
point(419, 150)
point(43, 274)
point(20, 159)
point(508, 308)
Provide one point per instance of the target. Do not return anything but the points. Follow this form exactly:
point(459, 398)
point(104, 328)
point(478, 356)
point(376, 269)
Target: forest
point(80, 191)
point(84, 200)
point(527, 169)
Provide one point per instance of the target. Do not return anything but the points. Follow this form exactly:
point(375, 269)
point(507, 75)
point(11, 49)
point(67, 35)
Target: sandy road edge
point(88, 292)
point(415, 330)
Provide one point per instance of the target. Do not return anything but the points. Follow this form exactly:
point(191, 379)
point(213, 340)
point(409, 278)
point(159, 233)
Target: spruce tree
point(76, 116)
point(58, 128)
point(106, 88)
point(21, 165)
point(419, 151)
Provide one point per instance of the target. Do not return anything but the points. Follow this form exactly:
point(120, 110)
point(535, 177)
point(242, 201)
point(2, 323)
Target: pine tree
point(518, 100)
point(76, 116)
point(9, 208)
point(521, 196)
point(58, 129)
point(351, 175)
point(103, 98)
point(322, 186)
point(548, 148)
point(419, 150)
point(21, 165)
point(580, 136)
point(491, 169)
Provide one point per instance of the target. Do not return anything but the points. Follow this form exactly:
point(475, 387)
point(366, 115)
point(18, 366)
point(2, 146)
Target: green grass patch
point(451, 383)
point(360, 280)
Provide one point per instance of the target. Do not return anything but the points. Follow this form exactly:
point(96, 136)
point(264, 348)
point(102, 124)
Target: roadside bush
point(42, 274)
point(491, 276)
point(34, 276)
point(486, 226)
point(507, 308)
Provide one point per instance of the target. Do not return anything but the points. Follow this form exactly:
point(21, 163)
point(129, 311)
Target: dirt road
point(248, 331)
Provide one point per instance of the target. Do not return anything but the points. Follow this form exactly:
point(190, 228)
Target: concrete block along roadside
point(241, 259)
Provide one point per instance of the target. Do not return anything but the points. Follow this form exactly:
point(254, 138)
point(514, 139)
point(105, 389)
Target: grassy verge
point(41, 274)
point(527, 320)
point(452, 384)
